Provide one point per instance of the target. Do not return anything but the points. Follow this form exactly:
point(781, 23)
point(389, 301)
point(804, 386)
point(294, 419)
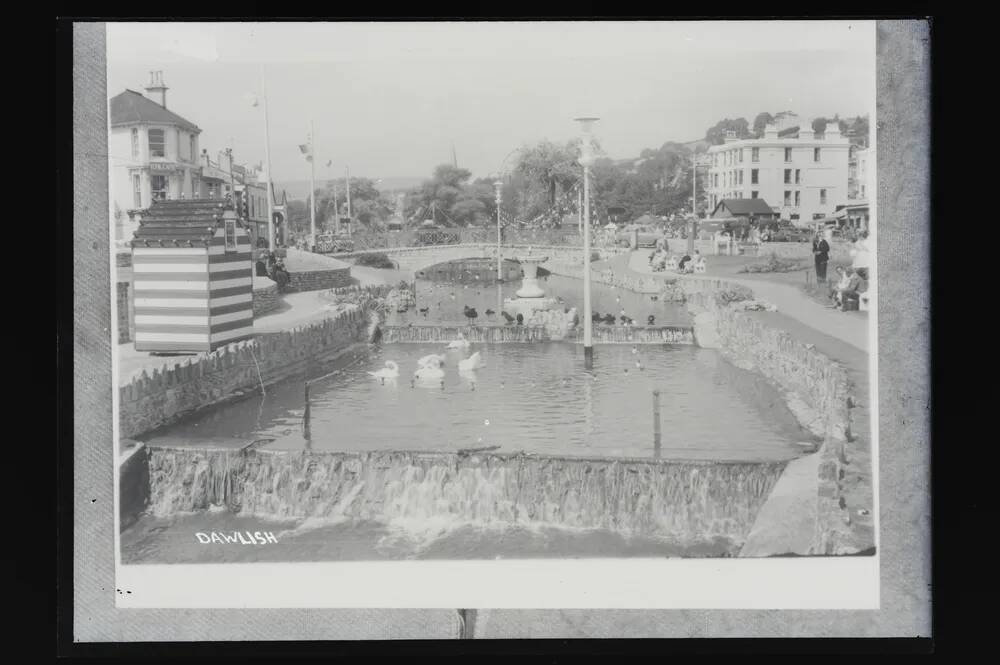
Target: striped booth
point(192, 275)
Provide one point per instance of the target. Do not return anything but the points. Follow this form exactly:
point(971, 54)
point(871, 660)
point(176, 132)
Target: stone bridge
point(418, 259)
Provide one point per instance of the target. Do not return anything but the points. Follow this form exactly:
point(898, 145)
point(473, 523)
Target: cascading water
point(681, 501)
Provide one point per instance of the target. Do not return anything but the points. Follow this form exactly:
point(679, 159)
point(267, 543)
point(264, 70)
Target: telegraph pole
point(312, 184)
point(267, 158)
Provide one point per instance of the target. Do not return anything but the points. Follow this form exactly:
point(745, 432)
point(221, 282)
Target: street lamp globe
point(587, 148)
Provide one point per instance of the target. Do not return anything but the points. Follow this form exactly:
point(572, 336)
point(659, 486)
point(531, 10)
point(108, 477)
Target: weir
point(684, 501)
point(499, 334)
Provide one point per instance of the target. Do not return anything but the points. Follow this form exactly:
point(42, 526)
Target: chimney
point(731, 135)
point(771, 131)
point(806, 131)
point(156, 85)
point(832, 130)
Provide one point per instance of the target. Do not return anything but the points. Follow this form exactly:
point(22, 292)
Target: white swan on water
point(472, 362)
point(429, 372)
point(433, 360)
point(390, 371)
point(460, 343)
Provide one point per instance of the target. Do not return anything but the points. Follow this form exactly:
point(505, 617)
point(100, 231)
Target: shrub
point(376, 260)
point(595, 256)
point(773, 264)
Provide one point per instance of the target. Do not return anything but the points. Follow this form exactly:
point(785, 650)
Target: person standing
point(821, 255)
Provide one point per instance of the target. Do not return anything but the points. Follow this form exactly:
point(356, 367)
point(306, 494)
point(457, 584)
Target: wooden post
point(656, 421)
point(305, 415)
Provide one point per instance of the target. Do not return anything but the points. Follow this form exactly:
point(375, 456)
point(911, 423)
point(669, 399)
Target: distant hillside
point(299, 189)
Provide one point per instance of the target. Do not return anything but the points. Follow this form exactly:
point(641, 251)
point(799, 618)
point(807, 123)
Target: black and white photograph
point(540, 314)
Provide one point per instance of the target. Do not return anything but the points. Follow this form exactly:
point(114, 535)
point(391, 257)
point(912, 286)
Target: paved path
point(782, 291)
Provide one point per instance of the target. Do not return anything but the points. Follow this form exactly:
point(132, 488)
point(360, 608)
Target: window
point(135, 144)
point(230, 235)
point(798, 176)
point(754, 175)
point(798, 198)
point(822, 197)
point(754, 194)
point(136, 191)
point(178, 152)
point(192, 148)
point(788, 155)
point(754, 154)
point(788, 176)
point(158, 187)
point(862, 191)
point(741, 155)
point(250, 201)
point(741, 177)
point(157, 148)
point(715, 180)
point(788, 198)
point(815, 154)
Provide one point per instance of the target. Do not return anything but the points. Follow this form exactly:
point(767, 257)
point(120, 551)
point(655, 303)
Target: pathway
point(779, 289)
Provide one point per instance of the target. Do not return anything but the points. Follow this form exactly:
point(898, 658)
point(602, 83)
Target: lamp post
point(267, 159)
point(498, 185)
point(587, 160)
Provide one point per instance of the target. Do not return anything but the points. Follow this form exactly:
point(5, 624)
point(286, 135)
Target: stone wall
point(501, 334)
point(820, 382)
point(149, 402)
point(318, 280)
point(123, 306)
point(133, 482)
point(266, 297)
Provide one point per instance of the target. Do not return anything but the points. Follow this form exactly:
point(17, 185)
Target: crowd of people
point(852, 282)
point(661, 260)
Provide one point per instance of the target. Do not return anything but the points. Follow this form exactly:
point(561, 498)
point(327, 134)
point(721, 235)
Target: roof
point(745, 206)
point(183, 223)
point(130, 107)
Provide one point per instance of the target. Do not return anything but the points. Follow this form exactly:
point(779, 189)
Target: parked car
point(788, 233)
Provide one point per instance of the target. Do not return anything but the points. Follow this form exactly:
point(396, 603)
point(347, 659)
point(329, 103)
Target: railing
point(375, 240)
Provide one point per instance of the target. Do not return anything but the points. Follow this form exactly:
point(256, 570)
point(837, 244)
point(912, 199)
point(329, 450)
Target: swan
point(390, 371)
point(460, 343)
point(472, 362)
point(429, 372)
point(431, 360)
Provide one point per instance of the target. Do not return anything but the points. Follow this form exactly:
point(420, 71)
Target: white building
point(154, 153)
point(802, 177)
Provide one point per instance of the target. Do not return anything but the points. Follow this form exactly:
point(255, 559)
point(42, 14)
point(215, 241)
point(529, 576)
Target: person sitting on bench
point(682, 266)
point(850, 294)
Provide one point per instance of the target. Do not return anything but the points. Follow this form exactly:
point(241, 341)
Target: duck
point(490, 312)
point(520, 319)
point(472, 362)
point(507, 317)
point(431, 361)
point(424, 310)
point(609, 319)
point(460, 343)
point(638, 365)
point(635, 350)
point(390, 371)
point(596, 317)
point(650, 319)
point(470, 313)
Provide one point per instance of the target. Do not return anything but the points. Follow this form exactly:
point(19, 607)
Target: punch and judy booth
point(191, 263)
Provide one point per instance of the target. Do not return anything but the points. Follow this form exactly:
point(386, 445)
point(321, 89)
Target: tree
point(762, 120)
point(716, 135)
point(551, 165)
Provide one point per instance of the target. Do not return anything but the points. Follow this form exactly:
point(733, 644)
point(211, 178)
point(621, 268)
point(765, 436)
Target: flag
point(307, 151)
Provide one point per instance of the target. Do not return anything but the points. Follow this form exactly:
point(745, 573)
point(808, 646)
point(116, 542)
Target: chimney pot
point(156, 85)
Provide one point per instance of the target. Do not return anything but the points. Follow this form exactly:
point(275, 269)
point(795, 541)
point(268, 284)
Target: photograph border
point(902, 124)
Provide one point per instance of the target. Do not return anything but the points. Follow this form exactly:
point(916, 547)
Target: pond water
point(532, 397)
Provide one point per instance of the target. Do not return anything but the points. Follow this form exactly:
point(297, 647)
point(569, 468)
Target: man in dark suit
point(821, 256)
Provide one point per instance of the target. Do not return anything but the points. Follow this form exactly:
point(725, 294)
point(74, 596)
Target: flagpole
point(312, 184)
point(267, 158)
point(348, 183)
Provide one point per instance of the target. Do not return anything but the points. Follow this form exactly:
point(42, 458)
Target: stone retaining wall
point(149, 402)
point(318, 280)
point(265, 298)
point(510, 334)
point(822, 383)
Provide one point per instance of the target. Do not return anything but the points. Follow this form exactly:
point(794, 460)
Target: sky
point(391, 99)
